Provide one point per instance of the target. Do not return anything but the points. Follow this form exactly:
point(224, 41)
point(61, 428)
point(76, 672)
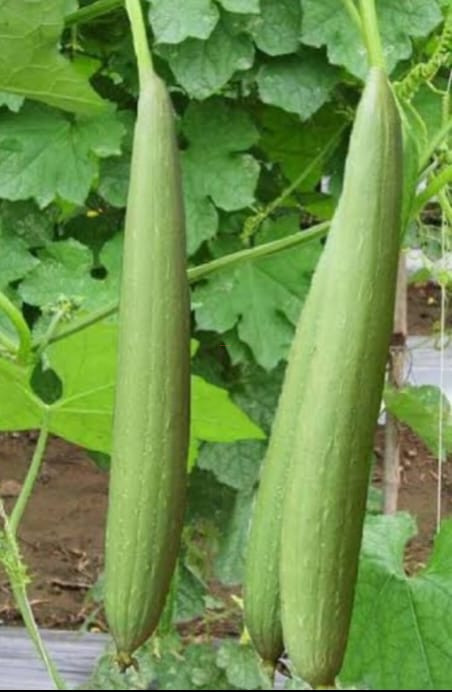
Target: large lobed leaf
point(30, 63)
point(86, 364)
point(401, 628)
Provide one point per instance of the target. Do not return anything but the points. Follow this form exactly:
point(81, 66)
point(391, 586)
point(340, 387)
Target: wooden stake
point(397, 359)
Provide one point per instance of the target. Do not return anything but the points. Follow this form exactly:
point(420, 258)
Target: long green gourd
point(261, 585)
point(350, 310)
point(151, 417)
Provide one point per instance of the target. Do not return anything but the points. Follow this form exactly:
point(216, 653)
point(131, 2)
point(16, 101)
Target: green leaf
point(258, 392)
point(216, 418)
point(38, 139)
point(64, 272)
point(277, 30)
point(414, 141)
point(395, 613)
point(107, 675)
point(114, 171)
point(192, 668)
point(26, 221)
point(429, 105)
point(209, 501)
point(236, 464)
point(296, 146)
point(230, 561)
point(297, 84)
point(30, 64)
point(328, 23)
point(85, 362)
point(86, 365)
point(20, 409)
point(215, 171)
point(15, 260)
point(189, 603)
point(241, 665)
point(262, 297)
point(243, 6)
point(418, 407)
point(114, 180)
point(173, 22)
point(45, 383)
point(202, 68)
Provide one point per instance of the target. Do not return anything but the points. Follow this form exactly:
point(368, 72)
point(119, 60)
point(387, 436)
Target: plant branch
point(21, 327)
point(372, 34)
point(90, 12)
point(252, 224)
point(140, 41)
point(195, 274)
point(30, 479)
point(258, 251)
point(17, 575)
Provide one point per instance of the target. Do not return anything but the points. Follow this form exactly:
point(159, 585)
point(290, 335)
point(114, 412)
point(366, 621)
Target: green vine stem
point(372, 34)
point(7, 346)
point(78, 325)
point(195, 274)
point(253, 223)
point(258, 251)
point(140, 41)
point(21, 327)
point(17, 575)
point(93, 11)
point(51, 330)
point(436, 184)
point(354, 15)
point(30, 479)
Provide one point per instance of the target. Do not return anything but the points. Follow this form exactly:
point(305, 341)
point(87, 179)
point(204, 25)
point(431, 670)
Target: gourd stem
point(21, 327)
point(372, 34)
point(140, 41)
point(269, 670)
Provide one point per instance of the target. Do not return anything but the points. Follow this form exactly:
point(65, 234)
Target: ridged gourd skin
point(352, 293)
point(261, 586)
point(151, 417)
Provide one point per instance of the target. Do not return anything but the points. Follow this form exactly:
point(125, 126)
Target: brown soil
point(424, 310)
point(62, 531)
